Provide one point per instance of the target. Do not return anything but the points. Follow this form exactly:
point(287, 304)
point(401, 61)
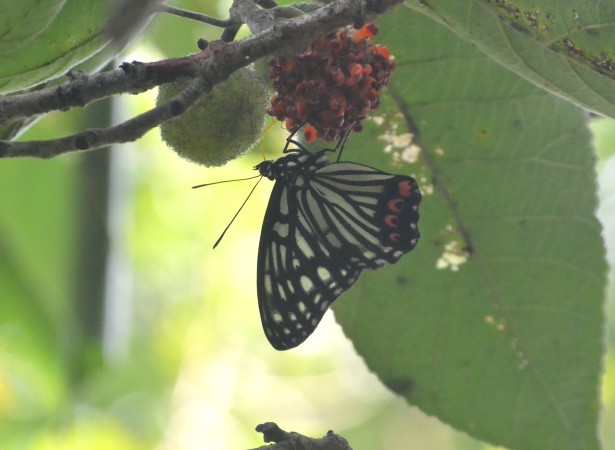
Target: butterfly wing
point(366, 212)
point(296, 282)
point(319, 235)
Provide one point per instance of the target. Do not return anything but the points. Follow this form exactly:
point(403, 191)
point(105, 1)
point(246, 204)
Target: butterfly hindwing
point(370, 213)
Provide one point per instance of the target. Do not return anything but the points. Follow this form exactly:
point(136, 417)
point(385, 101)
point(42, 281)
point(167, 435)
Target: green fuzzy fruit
point(222, 125)
point(261, 70)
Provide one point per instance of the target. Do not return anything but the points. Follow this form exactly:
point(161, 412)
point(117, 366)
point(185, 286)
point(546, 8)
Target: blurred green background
point(121, 328)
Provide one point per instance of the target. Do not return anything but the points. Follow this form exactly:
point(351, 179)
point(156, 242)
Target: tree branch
point(81, 89)
point(212, 65)
point(285, 440)
point(128, 131)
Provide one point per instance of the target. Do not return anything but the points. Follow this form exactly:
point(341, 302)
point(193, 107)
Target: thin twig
point(195, 16)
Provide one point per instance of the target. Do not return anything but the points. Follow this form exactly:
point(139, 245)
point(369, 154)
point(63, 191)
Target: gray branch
point(208, 67)
point(284, 440)
point(127, 131)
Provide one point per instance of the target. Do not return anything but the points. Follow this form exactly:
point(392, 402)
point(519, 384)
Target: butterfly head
point(293, 165)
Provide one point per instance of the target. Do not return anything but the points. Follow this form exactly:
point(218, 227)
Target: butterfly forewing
point(324, 224)
point(296, 284)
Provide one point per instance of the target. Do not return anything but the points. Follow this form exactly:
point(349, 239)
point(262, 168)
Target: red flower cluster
point(333, 85)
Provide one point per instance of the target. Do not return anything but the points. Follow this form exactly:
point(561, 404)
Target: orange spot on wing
point(392, 221)
point(404, 188)
point(395, 204)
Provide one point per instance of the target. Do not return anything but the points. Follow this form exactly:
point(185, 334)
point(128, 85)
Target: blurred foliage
point(194, 370)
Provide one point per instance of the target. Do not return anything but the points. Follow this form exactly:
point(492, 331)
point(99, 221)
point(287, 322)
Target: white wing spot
point(281, 292)
point(268, 286)
point(301, 307)
point(282, 253)
point(324, 305)
point(304, 246)
point(281, 229)
point(284, 203)
point(324, 274)
point(291, 288)
point(277, 317)
point(333, 240)
point(369, 254)
point(306, 284)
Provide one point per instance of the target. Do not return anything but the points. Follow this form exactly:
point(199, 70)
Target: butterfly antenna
point(342, 143)
point(239, 210)
point(225, 181)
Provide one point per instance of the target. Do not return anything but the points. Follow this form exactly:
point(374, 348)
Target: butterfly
point(325, 223)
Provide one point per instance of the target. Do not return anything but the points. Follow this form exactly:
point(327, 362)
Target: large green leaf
point(24, 20)
point(567, 47)
point(494, 323)
point(41, 40)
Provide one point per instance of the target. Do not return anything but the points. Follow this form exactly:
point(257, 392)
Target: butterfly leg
point(342, 143)
point(290, 140)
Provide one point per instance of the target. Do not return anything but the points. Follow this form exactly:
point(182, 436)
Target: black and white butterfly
point(325, 223)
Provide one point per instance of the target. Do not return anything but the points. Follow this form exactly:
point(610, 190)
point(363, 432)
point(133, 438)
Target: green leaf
point(45, 39)
point(566, 47)
point(494, 324)
point(24, 20)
